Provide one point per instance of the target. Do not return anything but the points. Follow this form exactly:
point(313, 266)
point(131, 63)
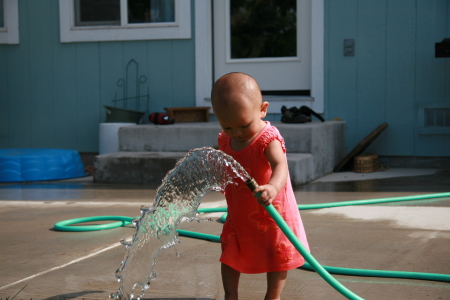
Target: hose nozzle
point(252, 185)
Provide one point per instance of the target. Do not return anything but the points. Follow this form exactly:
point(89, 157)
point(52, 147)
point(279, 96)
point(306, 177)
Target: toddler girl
point(251, 241)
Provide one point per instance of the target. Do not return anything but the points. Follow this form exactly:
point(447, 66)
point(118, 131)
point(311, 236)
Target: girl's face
point(242, 120)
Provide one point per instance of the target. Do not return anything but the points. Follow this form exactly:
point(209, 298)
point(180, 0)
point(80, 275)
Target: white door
point(269, 40)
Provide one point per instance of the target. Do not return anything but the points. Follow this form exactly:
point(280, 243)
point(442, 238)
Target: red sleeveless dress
point(251, 241)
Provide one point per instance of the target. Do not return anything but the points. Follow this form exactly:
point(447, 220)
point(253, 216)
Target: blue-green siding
point(52, 94)
point(394, 70)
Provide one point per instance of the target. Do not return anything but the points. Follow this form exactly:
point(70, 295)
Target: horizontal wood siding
point(340, 71)
point(431, 72)
point(53, 94)
point(393, 70)
point(400, 106)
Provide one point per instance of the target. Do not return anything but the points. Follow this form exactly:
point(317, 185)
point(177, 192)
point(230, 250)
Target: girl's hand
point(267, 194)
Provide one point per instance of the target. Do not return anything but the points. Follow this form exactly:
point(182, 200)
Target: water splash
point(177, 199)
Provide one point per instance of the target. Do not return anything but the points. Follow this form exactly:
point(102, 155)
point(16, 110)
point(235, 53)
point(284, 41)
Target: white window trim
point(180, 29)
point(10, 33)
point(204, 59)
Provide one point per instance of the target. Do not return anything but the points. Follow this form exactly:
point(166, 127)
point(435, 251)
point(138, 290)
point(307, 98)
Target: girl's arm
point(277, 160)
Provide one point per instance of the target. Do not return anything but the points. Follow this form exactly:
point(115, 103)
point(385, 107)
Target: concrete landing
point(42, 264)
point(148, 152)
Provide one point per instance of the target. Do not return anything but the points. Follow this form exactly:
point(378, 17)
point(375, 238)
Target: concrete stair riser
point(148, 152)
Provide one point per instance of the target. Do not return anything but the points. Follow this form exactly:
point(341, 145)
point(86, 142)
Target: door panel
point(269, 42)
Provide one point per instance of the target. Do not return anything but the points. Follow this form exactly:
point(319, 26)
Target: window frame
point(9, 34)
point(180, 29)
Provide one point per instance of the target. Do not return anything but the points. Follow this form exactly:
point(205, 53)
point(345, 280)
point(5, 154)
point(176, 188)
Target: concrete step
point(134, 167)
point(151, 167)
point(149, 151)
point(324, 140)
point(300, 138)
point(301, 168)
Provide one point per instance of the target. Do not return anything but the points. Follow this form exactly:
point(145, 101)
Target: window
point(96, 13)
point(122, 20)
point(260, 30)
point(9, 22)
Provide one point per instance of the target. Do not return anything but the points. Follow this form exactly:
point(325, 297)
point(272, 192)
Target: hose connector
point(252, 185)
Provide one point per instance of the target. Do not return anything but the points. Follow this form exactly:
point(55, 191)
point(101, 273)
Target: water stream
point(177, 199)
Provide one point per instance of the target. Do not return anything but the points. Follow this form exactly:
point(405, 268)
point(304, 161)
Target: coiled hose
point(323, 271)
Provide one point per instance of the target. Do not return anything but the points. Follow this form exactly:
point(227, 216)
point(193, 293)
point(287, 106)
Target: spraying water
point(177, 199)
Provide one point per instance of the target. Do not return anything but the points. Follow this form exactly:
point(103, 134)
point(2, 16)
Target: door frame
point(204, 59)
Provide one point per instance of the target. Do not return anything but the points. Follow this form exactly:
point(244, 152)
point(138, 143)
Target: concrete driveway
point(40, 263)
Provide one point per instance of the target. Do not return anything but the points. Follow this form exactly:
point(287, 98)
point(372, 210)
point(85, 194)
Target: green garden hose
point(65, 225)
point(383, 273)
point(351, 203)
point(338, 270)
point(252, 185)
point(307, 256)
point(372, 201)
point(323, 271)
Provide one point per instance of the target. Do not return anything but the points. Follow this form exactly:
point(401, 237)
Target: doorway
point(269, 40)
point(204, 60)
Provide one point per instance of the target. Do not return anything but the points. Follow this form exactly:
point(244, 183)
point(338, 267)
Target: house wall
point(52, 94)
point(393, 72)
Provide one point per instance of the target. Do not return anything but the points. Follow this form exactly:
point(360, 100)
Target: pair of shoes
point(308, 112)
point(293, 115)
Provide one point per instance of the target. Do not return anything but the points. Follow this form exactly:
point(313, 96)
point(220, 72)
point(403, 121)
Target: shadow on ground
point(71, 295)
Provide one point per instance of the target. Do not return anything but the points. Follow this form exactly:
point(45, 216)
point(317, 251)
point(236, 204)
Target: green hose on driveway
point(323, 271)
point(307, 256)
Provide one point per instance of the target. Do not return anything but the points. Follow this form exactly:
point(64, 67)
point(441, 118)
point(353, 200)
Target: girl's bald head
point(235, 88)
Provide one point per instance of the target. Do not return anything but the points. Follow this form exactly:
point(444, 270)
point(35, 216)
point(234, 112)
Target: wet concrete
point(49, 264)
